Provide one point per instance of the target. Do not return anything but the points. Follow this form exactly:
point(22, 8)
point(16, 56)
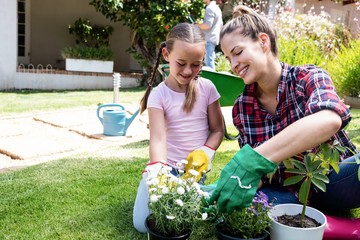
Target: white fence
point(47, 78)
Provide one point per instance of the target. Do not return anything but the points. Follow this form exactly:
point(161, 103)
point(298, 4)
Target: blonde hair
point(183, 32)
point(250, 24)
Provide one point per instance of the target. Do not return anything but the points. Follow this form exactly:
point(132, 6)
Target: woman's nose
point(234, 63)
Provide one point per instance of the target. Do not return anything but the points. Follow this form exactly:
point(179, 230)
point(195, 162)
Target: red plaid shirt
point(303, 90)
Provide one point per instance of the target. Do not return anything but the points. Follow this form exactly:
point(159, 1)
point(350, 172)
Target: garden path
point(30, 139)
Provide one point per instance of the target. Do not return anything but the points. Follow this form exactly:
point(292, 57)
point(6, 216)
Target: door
point(23, 40)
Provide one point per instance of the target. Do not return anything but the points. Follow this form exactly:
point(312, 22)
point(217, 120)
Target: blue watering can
point(114, 120)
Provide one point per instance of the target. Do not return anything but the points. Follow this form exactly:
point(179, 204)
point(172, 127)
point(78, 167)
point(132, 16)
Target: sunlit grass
point(23, 101)
point(90, 195)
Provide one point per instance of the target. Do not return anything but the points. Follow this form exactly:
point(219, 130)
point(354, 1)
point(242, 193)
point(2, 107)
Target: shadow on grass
point(136, 145)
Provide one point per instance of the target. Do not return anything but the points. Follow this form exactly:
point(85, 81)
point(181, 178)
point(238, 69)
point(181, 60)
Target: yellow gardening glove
point(199, 160)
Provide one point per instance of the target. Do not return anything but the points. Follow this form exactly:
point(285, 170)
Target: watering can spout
point(130, 119)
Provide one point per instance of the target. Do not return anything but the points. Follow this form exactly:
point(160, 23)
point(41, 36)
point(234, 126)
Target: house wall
point(8, 47)
point(49, 32)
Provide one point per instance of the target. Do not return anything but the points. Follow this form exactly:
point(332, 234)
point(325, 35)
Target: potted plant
point(91, 53)
point(248, 223)
point(175, 204)
point(301, 221)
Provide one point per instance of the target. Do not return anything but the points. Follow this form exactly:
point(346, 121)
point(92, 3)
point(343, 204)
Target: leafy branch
point(314, 170)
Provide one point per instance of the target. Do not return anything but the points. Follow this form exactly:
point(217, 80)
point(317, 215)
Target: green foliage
point(86, 52)
point(309, 38)
point(92, 41)
point(174, 203)
point(222, 64)
point(313, 170)
point(300, 51)
point(317, 28)
point(90, 35)
point(149, 21)
point(345, 69)
point(248, 223)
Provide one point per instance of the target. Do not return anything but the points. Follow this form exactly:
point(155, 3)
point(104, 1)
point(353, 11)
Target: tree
point(149, 21)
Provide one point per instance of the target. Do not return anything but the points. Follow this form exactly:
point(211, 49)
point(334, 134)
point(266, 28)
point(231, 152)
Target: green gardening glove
point(239, 180)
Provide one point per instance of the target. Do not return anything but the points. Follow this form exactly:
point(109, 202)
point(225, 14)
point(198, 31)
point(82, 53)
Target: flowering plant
point(248, 222)
point(175, 203)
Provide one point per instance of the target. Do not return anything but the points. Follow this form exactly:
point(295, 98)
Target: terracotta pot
point(153, 235)
point(283, 232)
point(225, 236)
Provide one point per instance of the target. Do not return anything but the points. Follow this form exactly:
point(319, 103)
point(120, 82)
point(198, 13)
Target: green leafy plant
point(314, 169)
point(92, 41)
point(300, 51)
point(222, 64)
point(345, 69)
point(175, 203)
point(85, 52)
point(249, 222)
point(90, 35)
point(157, 18)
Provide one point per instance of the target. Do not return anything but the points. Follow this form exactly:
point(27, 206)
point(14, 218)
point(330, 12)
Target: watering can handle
point(107, 105)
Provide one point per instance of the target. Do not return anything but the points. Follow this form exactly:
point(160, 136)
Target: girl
point(283, 112)
point(184, 112)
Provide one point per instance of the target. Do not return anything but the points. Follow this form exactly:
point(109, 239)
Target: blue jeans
point(210, 55)
point(342, 191)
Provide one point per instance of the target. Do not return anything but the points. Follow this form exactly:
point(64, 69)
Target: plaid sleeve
point(322, 94)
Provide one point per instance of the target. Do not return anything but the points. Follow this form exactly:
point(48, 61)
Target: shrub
point(345, 70)
point(299, 51)
point(92, 41)
point(85, 52)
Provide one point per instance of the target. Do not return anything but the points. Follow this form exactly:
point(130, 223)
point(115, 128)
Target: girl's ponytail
point(143, 102)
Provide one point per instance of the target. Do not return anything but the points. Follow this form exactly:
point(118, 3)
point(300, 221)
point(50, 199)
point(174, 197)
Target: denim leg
point(279, 195)
point(343, 190)
point(210, 55)
point(141, 209)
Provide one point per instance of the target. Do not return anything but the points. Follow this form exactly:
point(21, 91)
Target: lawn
point(87, 196)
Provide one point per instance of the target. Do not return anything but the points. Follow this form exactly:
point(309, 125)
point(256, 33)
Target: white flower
point(193, 172)
point(195, 164)
point(184, 161)
point(165, 190)
point(180, 190)
point(196, 185)
point(170, 217)
point(179, 202)
point(154, 198)
point(204, 216)
point(206, 194)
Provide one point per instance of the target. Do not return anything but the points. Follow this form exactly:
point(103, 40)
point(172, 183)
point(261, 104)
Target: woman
point(284, 111)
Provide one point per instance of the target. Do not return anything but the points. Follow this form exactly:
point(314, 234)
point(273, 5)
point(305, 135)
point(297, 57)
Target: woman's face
point(185, 61)
point(246, 56)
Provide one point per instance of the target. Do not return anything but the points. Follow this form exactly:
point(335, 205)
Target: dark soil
point(295, 221)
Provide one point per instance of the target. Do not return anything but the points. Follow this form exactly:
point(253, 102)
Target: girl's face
point(247, 57)
point(185, 61)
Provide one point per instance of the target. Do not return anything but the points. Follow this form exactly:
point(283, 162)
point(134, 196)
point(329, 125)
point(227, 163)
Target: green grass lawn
point(87, 196)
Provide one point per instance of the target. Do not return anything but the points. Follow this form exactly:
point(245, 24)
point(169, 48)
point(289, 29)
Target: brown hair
point(183, 32)
point(251, 24)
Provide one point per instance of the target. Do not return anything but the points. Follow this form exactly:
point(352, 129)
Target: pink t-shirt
point(185, 131)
